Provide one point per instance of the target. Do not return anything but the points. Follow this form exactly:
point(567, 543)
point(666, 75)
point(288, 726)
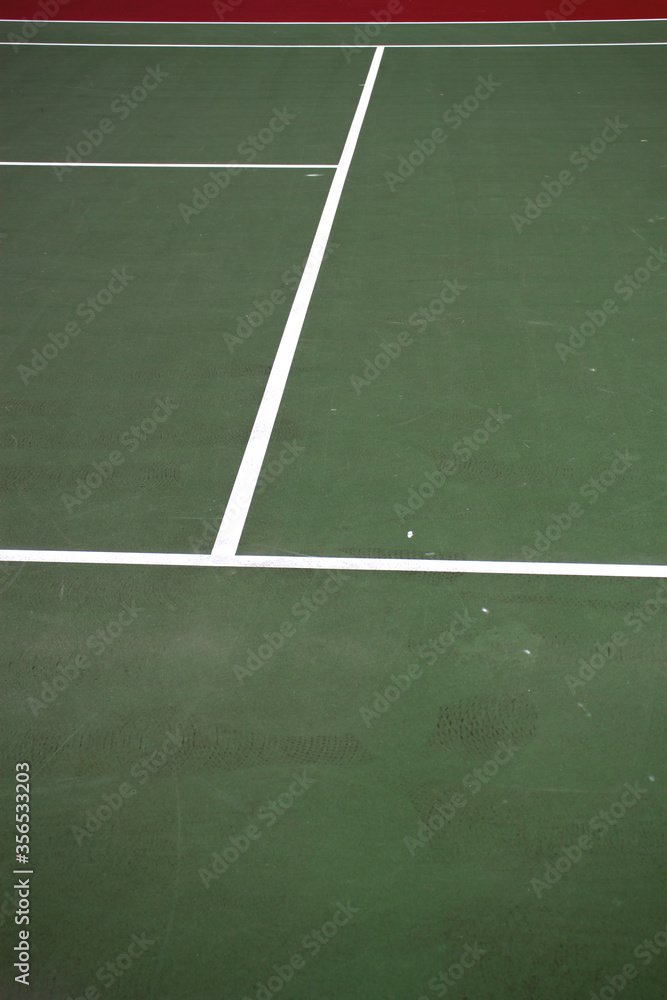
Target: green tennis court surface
point(279, 310)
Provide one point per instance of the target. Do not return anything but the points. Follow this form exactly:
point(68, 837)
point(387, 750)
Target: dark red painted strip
point(356, 11)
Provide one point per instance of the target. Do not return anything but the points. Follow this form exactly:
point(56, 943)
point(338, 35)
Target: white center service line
point(236, 513)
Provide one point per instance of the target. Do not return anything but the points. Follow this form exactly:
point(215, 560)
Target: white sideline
point(229, 535)
point(349, 563)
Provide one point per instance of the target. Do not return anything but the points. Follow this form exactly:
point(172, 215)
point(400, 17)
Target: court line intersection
point(233, 521)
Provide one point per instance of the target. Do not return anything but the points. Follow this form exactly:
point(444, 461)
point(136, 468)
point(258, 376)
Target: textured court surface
point(229, 763)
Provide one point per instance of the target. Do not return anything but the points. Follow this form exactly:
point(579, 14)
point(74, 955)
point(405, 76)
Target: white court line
point(210, 166)
point(324, 24)
point(450, 566)
point(187, 45)
point(105, 558)
point(345, 563)
point(238, 505)
point(512, 45)
point(342, 45)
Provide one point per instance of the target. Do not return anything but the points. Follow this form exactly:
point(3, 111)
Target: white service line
point(104, 558)
point(451, 566)
point(602, 20)
point(238, 505)
point(340, 45)
point(512, 45)
point(190, 45)
point(208, 166)
point(349, 563)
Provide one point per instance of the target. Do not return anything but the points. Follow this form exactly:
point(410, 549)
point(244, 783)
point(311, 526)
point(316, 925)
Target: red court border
point(354, 11)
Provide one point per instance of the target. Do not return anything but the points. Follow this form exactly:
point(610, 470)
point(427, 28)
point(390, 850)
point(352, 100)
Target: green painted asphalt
point(171, 106)
point(396, 701)
point(466, 246)
point(172, 333)
point(372, 786)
